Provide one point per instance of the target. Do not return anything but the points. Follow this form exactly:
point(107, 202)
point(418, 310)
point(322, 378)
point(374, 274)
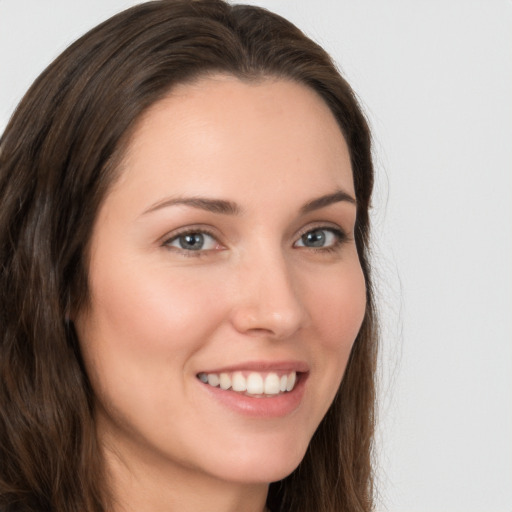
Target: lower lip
point(264, 407)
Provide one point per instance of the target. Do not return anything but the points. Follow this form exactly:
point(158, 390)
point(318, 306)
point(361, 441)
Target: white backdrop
point(436, 81)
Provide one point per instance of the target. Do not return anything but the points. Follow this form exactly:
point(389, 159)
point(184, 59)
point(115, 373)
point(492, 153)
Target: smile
point(254, 384)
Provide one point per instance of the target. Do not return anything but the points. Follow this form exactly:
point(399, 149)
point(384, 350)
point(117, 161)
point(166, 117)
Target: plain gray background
point(435, 78)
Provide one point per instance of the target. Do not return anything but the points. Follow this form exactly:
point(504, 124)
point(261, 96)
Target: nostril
point(258, 331)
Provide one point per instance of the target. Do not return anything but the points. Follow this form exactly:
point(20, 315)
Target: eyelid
point(321, 225)
point(337, 230)
point(340, 233)
point(204, 230)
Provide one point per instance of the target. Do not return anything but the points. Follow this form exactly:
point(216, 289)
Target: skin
point(160, 314)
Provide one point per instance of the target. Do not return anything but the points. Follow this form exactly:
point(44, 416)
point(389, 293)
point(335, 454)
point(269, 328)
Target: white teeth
point(238, 382)
point(225, 381)
point(213, 379)
point(272, 382)
point(291, 381)
point(254, 384)
point(283, 383)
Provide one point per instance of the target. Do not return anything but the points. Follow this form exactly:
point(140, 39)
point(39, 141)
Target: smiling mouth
point(253, 384)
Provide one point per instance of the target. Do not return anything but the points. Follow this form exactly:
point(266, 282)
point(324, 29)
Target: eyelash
point(340, 238)
point(190, 231)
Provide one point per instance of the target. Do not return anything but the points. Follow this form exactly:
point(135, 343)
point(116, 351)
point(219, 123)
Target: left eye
point(193, 241)
point(318, 238)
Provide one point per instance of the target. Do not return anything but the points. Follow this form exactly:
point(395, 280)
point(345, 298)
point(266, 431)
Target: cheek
point(338, 307)
point(139, 336)
point(143, 326)
point(155, 308)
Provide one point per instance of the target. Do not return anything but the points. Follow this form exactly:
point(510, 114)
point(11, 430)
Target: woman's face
point(224, 253)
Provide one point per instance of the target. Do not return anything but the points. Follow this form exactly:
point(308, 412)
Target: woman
point(187, 315)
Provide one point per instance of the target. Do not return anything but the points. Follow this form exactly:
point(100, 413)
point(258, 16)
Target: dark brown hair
point(58, 157)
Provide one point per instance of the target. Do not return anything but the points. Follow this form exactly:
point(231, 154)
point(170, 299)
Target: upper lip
point(263, 366)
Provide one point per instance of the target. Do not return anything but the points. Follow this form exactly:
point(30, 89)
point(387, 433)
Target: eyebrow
point(203, 203)
point(323, 201)
point(225, 207)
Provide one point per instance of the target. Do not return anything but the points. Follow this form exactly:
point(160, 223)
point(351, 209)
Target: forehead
point(219, 134)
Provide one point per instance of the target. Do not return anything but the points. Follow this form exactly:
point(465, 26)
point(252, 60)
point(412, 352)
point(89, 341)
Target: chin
point(257, 464)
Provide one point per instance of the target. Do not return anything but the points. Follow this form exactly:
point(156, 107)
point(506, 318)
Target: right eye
point(193, 241)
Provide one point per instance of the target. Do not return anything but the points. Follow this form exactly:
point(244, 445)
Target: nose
point(267, 298)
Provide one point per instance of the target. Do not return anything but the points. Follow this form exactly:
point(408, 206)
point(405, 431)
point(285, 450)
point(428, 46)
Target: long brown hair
point(58, 157)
